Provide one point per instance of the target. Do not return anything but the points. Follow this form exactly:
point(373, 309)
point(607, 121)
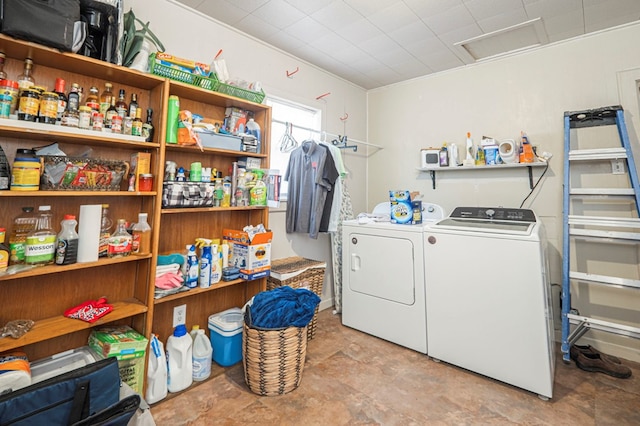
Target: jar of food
point(116, 124)
point(146, 182)
point(25, 174)
point(127, 125)
point(48, 108)
point(10, 87)
point(29, 105)
point(70, 118)
point(5, 105)
point(84, 117)
point(98, 121)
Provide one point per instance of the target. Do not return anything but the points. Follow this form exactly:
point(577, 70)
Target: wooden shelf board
point(211, 209)
point(60, 325)
point(225, 152)
point(72, 193)
point(54, 269)
point(197, 290)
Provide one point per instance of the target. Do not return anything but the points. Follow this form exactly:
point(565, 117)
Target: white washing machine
point(383, 278)
point(489, 297)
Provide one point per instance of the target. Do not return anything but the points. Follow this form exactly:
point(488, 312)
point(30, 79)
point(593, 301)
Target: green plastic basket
point(209, 83)
point(239, 92)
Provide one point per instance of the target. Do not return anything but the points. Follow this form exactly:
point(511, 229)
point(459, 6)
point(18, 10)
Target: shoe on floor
point(595, 363)
point(588, 349)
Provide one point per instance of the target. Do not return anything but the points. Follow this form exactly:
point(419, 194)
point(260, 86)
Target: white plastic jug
point(156, 372)
point(179, 360)
point(202, 354)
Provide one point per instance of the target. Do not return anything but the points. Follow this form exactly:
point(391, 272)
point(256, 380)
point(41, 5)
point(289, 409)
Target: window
point(304, 123)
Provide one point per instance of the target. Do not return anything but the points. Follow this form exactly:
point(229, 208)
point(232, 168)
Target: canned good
point(48, 108)
point(98, 121)
point(5, 105)
point(10, 87)
point(29, 105)
point(84, 117)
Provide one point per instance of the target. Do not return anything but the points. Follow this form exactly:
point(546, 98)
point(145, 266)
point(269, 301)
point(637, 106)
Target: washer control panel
point(494, 213)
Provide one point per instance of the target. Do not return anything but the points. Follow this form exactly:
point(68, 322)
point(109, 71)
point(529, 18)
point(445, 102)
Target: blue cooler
point(225, 330)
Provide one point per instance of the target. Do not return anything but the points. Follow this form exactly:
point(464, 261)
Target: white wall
point(526, 92)
point(189, 34)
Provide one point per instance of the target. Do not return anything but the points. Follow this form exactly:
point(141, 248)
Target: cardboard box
point(404, 210)
point(252, 257)
point(140, 164)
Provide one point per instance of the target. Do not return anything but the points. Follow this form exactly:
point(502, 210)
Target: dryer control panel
point(494, 213)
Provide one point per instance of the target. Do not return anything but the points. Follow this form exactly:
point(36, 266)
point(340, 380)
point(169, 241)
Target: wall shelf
point(528, 166)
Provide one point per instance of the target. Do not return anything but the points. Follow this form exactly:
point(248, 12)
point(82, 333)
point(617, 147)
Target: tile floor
point(353, 378)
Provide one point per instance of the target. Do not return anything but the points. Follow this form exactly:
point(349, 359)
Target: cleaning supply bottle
point(179, 360)
point(156, 372)
point(194, 331)
point(225, 253)
point(206, 258)
point(480, 156)
point(41, 242)
point(22, 225)
point(191, 275)
point(258, 194)
point(526, 150)
point(216, 264)
point(67, 242)
point(470, 157)
point(173, 111)
point(444, 156)
point(202, 355)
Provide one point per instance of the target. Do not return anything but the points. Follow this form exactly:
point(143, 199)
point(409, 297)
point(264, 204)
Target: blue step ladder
point(608, 230)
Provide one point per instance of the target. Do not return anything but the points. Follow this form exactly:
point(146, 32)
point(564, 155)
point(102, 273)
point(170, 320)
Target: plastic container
point(191, 276)
point(172, 119)
point(206, 258)
point(179, 360)
point(202, 355)
point(67, 242)
point(61, 363)
point(253, 128)
point(225, 329)
point(25, 175)
point(156, 372)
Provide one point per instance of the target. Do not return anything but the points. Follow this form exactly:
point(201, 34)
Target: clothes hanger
point(288, 142)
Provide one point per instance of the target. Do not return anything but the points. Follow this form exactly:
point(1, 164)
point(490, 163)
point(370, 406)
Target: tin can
point(48, 108)
point(29, 105)
point(98, 121)
point(116, 124)
point(5, 105)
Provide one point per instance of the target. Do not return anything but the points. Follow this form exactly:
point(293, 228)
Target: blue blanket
point(283, 307)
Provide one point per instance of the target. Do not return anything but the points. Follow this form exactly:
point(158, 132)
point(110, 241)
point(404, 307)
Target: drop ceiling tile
point(306, 29)
point(444, 22)
point(423, 49)
point(568, 22)
point(256, 27)
point(483, 9)
point(610, 13)
point(309, 7)
point(369, 7)
point(191, 3)
point(378, 44)
point(503, 20)
point(279, 13)
point(230, 14)
point(393, 17)
point(394, 56)
point(409, 33)
point(336, 15)
point(246, 5)
point(327, 42)
point(285, 41)
point(428, 8)
point(358, 31)
point(410, 68)
point(460, 33)
point(349, 53)
point(549, 8)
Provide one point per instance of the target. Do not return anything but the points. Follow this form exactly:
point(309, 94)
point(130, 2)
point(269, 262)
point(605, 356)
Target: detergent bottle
point(206, 259)
point(156, 372)
point(258, 194)
point(191, 275)
point(202, 355)
point(216, 263)
point(179, 360)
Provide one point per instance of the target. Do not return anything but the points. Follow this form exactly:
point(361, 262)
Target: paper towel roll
point(509, 151)
point(89, 232)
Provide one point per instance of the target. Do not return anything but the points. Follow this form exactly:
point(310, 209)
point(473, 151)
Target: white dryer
point(383, 278)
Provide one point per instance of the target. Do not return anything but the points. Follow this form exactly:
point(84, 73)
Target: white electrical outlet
point(617, 167)
point(179, 315)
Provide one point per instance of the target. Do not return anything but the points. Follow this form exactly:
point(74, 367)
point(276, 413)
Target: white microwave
point(430, 158)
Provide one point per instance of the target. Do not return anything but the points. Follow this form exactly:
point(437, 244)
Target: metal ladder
point(596, 228)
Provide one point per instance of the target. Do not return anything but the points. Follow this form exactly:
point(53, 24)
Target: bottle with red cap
point(62, 98)
point(67, 242)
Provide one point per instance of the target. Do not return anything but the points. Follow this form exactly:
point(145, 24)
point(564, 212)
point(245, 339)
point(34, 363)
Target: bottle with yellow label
point(4, 251)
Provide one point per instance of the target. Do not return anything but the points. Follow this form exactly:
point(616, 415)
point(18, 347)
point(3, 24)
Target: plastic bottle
point(41, 242)
point(216, 264)
point(206, 259)
point(480, 156)
point(105, 231)
point(526, 150)
point(225, 253)
point(105, 98)
point(22, 225)
point(5, 171)
point(202, 355)
point(469, 157)
point(67, 242)
point(252, 127)
point(194, 331)
point(444, 156)
point(4, 251)
point(156, 372)
point(141, 236)
point(120, 241)
point(172, 119)
point(191, 275)
point(179, 360)
point(258, 194)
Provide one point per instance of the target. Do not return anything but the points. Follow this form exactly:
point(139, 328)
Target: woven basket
point(311, 277)
point(273, 360)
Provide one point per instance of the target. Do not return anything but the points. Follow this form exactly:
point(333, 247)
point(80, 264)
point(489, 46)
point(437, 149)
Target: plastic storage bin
point(225, 329)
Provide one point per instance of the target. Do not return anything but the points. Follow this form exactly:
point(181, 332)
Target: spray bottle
point(470, 158)
point(191, 274)
point(206, 260)
point(216, 264)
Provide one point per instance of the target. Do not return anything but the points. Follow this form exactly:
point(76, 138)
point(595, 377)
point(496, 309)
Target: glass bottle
point(26, 80)
point(120, 241)
point(136, 125)
point(141, 236)
point(105, 98)
point(111, 111)
point(62, 98)
point(23, 224)
point(93, 99)
point(67, 241)
point(147, 127)
point(73, 99)
point(41, 242)
point(105, 231)
point(3, 75)
point(121, 105)
point(133, 105)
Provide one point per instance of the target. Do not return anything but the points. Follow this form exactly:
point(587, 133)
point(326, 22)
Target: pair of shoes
point(596, 363)
point(576, 349)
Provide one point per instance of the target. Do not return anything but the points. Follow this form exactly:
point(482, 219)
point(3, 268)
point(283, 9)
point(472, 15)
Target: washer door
point(382, 267)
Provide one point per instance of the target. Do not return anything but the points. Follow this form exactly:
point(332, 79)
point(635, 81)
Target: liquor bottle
point(105, 98)
point(147, 127)
point(121, 105)
point(62, 98)
point(93, 100)
point(133, 105)
point(3, 75)
point(136, 126)
point(26, 80)
point(73, 98)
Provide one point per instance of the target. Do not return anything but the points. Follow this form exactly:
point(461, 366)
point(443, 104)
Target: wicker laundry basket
point(298, 272)
point(273, 359)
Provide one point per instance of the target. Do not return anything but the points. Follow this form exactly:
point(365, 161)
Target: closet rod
point(321, 132)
